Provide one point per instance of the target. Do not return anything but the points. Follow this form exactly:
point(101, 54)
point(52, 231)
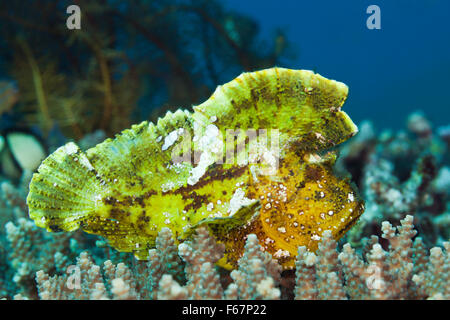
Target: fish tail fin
point(65, 191)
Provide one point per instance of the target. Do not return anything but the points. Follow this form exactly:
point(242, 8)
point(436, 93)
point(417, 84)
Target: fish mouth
point(349, 126)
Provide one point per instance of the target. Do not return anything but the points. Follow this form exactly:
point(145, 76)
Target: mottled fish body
point(181, 173)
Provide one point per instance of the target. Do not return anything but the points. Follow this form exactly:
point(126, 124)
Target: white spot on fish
point(282, 229)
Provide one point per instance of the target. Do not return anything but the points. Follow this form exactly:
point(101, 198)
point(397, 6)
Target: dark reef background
point(170, 54)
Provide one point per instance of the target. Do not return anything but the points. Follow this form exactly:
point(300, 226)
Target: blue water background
point(391, 72)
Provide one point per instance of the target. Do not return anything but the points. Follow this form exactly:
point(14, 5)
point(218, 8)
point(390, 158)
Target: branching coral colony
point(130, 188)
point(404, 271)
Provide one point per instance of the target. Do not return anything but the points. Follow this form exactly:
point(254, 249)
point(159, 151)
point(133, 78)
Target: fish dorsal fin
point(304, 106)
point(139, 158)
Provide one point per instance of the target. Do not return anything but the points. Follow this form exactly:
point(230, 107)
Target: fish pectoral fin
point(106, 227)
point(229, 231)
point(221, 226)
point(121, 236)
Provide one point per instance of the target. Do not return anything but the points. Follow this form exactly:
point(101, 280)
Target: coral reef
point(258, 275)
point(404, 271)
point(86, 280)
point(83, 86)
point(401, 173)
point(373, 261)
point(397, 272)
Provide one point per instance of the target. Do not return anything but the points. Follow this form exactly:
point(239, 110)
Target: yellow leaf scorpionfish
point(254, 158)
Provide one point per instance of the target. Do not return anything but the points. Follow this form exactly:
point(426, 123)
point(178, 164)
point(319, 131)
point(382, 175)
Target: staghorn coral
point(86, 280)
point(404, 270)
point(26, 256)
point(164, 259)
point(258, 275)
point(305, 275)
point(200, 256)
point(22, 256)
point(389, 274)
point(286, 194)
point(78, 286)
point(433, 281)
point(256, 278)
point(169, 289)
point(396, 273)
